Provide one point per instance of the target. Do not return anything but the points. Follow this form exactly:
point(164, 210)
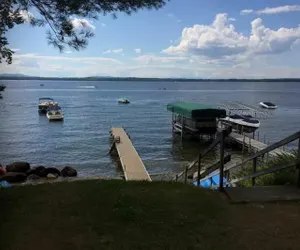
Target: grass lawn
point(115, 214)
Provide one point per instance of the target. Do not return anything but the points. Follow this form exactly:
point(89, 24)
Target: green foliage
point(58, 15)
point(282, 177)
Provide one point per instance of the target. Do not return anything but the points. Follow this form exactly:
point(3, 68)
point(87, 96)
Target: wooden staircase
point(218, 168)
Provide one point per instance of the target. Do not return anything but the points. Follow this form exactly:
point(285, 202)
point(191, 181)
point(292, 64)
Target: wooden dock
point(254, 145)
point(132, 165)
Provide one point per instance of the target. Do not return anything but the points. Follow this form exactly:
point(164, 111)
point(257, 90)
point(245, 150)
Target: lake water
point(91, 109)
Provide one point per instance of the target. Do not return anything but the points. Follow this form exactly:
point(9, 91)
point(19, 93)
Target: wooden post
point(254, 170)
point(222, 144)
point(199, 170)
point(249, 149)
point(185, 174)
point(298, 165)
point(176, 178)
point(258, 135)
point(182, 125)
point(243, 145)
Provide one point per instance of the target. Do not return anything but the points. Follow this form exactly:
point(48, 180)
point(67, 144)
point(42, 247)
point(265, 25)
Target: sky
point(184, 39)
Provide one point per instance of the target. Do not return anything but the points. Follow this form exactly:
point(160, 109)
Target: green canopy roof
point(196, 111)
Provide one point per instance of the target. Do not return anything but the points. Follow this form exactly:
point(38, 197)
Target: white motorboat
point(268, 105)
point(45, 103)
point(55, 115)
point(242, 123)
point(123, 101)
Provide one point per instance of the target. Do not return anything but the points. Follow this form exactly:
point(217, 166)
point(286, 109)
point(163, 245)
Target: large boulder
point(68, 172)
point(39, 171)
point(13, 177)
point(19, 167)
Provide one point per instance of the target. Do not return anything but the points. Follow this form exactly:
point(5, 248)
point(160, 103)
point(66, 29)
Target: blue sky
point(193, 38)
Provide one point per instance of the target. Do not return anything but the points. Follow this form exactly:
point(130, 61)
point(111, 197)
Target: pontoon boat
point(44, 104)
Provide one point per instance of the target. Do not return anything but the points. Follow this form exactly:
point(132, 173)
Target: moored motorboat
point(268, 105)
point(55, 115)
point(44, 104)
point(123, 101)
point(2, 87)
point(242, 123)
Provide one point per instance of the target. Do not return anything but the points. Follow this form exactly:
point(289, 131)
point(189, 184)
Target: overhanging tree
point(59, 15)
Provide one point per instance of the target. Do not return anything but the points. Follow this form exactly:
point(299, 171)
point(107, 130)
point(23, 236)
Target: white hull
point(55, 116)
point(241, 124)
point(263, 105)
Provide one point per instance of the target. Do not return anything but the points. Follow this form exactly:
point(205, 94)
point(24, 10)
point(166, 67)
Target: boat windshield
point(269, 103)
point(45, 99)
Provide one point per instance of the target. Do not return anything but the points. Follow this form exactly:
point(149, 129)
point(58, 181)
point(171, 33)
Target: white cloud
point(103, 24)
point(138, 51)
point(68, 52)
point(114, 51)
point(79, 24)
point(15, 50)
point(170, 15)
point(246, 11)
point(220, 41)
point(274, 10)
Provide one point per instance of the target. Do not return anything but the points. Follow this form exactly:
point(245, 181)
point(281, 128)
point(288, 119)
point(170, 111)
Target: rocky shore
point(20, 172)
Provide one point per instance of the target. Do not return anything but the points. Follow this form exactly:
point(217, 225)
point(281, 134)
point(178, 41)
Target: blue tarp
point(215, 181)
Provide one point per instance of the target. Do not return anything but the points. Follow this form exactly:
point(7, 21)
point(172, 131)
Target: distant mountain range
point(112, 78)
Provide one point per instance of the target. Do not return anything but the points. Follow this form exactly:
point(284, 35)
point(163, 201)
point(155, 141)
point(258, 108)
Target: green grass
point(115, 214)
point(111, 214)
point(282, 177)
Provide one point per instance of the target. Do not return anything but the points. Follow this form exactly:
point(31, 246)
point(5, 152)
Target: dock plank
point(133, 167)
point(254, 144)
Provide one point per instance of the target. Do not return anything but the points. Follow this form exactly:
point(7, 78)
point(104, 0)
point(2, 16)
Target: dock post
point(298, 165)
point(222, 144)
point(243, 145)
point(254, 170)
point(182, 125)
point(258, 135)
point(199, 169)
point(176, 178)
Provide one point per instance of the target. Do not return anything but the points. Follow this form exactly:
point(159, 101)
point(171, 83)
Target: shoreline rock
point(68, 172)
point(21, 172)
point(19, 167)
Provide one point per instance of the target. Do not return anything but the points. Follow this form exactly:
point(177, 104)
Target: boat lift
point(244, 109)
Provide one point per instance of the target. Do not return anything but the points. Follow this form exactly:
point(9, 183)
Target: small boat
point(123, 101)
point(2, 87)
point(242, 123)
point(44, 104)
point(41, 85)
point(55, 115)
point(268, 105)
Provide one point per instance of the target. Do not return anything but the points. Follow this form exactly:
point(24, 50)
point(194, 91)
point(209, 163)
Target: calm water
point(82, 140)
